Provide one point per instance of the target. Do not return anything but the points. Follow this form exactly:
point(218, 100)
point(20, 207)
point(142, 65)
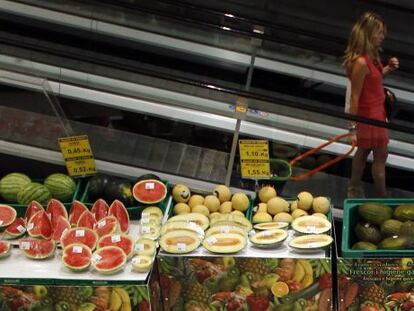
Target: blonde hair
point(359, 42)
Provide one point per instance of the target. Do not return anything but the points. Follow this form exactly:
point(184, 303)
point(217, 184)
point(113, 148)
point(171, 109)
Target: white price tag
point(267, 233)
point(30, 226)
point(182, 247)
point(77, 249)
point(149, 186)
point(145, 215)
point(136, 260)
point(310, 229)
point(139, 247)
point(145, 220)
point(96, 258)
point(146, 229)
point(80, 233)
point(1, 222)
point(101, 223)
point(25, 245)
point(116, 238)
point(21, 229)
point(211, 240)
point(224, 229)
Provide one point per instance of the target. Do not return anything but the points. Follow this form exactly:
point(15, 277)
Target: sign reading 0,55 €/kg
point(254, 158)
point(78, 155)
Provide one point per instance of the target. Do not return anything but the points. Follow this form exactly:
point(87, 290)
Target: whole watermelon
point(119, 189)
point(61, 186)
point(11, 184)
point(34, 192)
point(96, 186)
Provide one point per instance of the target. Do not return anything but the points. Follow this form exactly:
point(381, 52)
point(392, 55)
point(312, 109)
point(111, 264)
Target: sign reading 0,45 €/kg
point(254, 158)
point(78, 155)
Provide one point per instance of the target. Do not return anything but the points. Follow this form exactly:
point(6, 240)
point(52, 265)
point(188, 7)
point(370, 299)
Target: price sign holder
point(254, 158)
point(78, 155)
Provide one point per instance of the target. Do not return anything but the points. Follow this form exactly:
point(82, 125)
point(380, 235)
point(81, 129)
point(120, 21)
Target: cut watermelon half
point(32, 208)
point(107, 225)
point(77, 257)
point(120, 212)
point(108, 259)
point(100, 209)
point(37, 249)
point(39, 226)
point(83, 236)
point(62, 225)
point(121, 240)
point(86, 220)
point(4, 249)
point(16, 229)
point(149, 191)
point(7, 215)
point(75, 212)
point(55, 209)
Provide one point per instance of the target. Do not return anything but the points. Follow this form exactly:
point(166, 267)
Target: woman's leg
point(378, 170)
point(358, 166)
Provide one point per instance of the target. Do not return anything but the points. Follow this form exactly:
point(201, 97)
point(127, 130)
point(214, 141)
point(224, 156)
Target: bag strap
point(324, 165)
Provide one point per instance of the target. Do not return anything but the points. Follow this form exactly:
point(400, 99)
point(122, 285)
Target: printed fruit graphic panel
point(74, 298)
point(237, 283)
point(376, 284)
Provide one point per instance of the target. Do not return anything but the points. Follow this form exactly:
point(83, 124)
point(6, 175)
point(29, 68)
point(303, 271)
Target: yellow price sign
point(78, 155)
point(254, 158)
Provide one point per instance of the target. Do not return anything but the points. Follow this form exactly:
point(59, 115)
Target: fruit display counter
point(228, 259)
point(80, 256)
point(375, 271)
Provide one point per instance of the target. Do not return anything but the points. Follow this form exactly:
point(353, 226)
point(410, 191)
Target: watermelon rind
point(125, 242)
point(32, 248)
point(61, 186)
point(150, 191)
point(119, 210)
point(81, 235)
point(16, 229)
point(11, 184)
point(5, 249)
point(74, 250)
point(117, 258)
point(34, 192)
point(7, 215)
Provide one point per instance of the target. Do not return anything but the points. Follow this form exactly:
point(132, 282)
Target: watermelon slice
point(16, 229)
point(100, 209)
point(4, 249)
point(32, 208)
point(106, 225)
point(121, 240)
point(62, 224)
point(149, 191)
point(7, 215)
point(83, 236)
point(108, 259)
point(118, 210)
point(39, 226)
point(75, 212)
point(37, 249)
point(87, 220)
point(77, 257)
point(55, 209)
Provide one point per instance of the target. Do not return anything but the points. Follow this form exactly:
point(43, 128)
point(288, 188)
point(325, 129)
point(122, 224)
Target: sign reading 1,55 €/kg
point(78, 155)
point(254, 158)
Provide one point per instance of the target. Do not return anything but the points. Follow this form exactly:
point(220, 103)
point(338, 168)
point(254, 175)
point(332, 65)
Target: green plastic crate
point(351, 219)
point(135, 210)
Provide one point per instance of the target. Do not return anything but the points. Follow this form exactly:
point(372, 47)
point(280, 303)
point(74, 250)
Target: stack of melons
point(221, 201)
point(276, 209)
point(150, 223)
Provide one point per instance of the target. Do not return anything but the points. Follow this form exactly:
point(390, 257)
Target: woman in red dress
point(365, 71)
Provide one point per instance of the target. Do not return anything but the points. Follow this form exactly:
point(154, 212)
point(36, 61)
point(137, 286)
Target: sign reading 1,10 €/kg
point(78, 155)
point(254, 158)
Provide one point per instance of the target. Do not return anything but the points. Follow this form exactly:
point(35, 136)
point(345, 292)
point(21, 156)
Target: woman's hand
point(352, 137)
point(393, 63)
